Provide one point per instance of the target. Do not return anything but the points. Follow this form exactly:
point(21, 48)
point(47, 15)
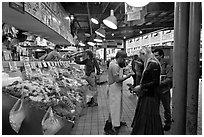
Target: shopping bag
point(16, 117)
point(51, 125)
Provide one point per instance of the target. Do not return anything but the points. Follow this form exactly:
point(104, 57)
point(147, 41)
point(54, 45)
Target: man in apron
point(115, 79)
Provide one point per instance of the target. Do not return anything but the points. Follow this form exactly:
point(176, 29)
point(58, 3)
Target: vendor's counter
point(32, 122)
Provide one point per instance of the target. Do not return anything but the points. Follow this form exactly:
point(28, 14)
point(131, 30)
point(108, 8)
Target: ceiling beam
point(103, 11)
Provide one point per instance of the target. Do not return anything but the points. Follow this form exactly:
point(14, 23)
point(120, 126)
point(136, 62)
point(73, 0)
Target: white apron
point(115, 102)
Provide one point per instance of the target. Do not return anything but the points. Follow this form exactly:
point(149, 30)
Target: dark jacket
point(166, 77)
point(90, 65)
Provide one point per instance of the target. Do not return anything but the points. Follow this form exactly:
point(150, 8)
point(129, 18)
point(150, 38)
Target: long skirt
point(147, 120)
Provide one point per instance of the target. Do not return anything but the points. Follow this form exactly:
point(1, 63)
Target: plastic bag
point(51, 125)
point(16, 117)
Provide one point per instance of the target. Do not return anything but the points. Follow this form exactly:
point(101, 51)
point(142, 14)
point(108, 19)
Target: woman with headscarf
point(147, 120)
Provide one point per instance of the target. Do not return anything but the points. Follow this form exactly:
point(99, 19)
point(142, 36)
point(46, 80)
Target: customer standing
point(137, 67)
point(115, 79)
point(90, 64)
point(147, 120)
point(165, 86)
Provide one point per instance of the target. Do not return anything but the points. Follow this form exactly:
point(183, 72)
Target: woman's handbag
point(16, 117)
point(51, 125)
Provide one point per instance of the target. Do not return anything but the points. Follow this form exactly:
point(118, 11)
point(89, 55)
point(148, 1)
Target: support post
point(181, 26)
point(193, 68)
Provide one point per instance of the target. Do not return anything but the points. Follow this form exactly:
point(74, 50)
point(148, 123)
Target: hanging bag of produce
point(16, 117)
point(51, 125)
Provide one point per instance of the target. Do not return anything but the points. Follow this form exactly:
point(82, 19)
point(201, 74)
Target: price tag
point(13, 66)
point(52, 63)
point(39, 71)
point(48, 63)
point(56, 64)
point(39, 65)
point(32, 64)
point(27, 67)
point(44, 64)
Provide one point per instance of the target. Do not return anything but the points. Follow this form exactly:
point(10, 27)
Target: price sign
point(13, 66)
point(33, 66)
point(48, 63)
point(44, 64)
point(39, 65)
point(27, 67)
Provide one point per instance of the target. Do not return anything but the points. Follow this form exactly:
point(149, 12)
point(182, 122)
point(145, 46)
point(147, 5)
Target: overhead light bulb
point(111, 21)
point(94, 20)
point(98, 39)
point(137, 3)
point(101, 32)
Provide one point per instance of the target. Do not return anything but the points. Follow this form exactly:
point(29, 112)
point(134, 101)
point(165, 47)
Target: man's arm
point(168, 79)
point(116, 77)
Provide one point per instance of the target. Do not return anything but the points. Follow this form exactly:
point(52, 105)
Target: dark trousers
point(166, 99)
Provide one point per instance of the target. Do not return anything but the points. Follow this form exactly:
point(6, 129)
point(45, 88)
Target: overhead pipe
point(193, 68)
point(180, 50)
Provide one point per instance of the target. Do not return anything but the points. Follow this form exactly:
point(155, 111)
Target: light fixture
point(81, 44)
point(140, 32)
point(98, 39)
point(137, 3)
point(101, 32)
point(111, 21)
point(94, 20)
point(91, 43)
point(98, 44)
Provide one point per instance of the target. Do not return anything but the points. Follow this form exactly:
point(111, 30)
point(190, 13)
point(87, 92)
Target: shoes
point(108, 128)
point(123, 123)
point(167, 126)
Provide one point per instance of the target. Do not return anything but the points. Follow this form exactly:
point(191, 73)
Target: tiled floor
point(93, 119)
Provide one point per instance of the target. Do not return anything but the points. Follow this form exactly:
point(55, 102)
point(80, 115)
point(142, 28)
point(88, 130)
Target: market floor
point(93, 119)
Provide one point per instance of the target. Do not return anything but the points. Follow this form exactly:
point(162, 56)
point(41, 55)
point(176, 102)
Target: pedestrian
point(137, 67)
point(115, 93)
point(90, 65)
point(165, 86)
point(147, 120)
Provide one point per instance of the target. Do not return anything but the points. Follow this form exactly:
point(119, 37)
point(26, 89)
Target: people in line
point(147, 119)
point(90, 65)
point(115, 93)
point(165, 86)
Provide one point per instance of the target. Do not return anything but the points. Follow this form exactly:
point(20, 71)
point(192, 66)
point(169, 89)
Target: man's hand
point(130, 74)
